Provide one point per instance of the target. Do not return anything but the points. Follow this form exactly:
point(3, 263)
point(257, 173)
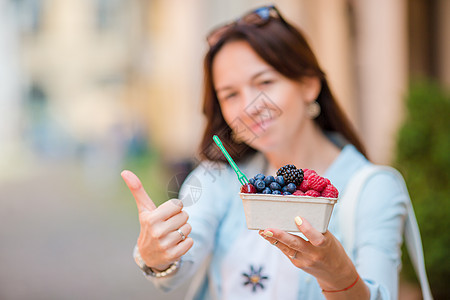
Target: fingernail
point(268, 233)
point(298, 221)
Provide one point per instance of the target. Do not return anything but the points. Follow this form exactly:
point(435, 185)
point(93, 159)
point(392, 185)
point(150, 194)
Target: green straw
point(241, 177)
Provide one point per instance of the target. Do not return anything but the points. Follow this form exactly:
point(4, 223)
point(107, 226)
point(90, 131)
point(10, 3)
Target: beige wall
point(363, 50)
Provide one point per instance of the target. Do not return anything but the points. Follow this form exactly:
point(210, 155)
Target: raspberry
point(298, 193)
point(248, 188)
point(330, 191)
point(304, 186)
point(308, 172)
point(316, 182)
point(312, 193)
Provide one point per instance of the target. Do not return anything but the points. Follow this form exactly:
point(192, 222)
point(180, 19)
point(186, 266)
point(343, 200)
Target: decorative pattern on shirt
point(254, 278)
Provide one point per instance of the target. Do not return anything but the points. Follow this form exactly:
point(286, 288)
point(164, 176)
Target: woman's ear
point(311, 88)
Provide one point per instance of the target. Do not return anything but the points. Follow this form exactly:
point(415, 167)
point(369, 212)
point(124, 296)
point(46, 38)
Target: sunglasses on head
point(257, 17)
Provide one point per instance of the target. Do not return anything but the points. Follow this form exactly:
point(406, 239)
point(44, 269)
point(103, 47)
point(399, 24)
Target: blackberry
point(291, 174)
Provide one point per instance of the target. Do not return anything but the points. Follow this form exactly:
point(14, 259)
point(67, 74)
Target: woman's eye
point(230, 96)
point(266, 82)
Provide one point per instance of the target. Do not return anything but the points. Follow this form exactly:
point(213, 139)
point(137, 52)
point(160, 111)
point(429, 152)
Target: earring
point(313, 110)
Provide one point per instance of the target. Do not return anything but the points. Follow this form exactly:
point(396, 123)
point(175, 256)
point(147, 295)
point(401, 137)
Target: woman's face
point(264, 109)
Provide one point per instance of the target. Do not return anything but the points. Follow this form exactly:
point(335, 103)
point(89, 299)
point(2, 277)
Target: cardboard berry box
point(264, 211)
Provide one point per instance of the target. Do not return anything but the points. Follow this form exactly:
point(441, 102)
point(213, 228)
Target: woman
point(267, 98)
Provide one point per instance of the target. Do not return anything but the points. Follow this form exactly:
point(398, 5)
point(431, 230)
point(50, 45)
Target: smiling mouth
point(262, 125)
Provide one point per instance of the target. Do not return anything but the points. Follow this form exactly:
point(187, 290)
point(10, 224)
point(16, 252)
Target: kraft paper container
point(277, 211)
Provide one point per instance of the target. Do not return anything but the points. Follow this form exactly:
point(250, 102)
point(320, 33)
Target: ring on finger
point(293, 256)
point(183, 237)
point(274, 243)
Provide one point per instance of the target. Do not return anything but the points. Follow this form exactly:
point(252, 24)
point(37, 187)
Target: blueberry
point(260, 185)
point(276, 192)
point(267, 191)
point(259, 176)
point(286, 193)
point(284, 189)
point(280, 180)
point(251, 181)
point(269, 179)
point(274, 186)
point(291, 187)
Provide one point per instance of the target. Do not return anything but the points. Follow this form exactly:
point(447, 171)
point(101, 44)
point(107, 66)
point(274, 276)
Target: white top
point(219, 231)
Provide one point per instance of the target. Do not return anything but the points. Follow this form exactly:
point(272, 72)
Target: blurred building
point(76, 60)
point(90, 77)
point(9, 83)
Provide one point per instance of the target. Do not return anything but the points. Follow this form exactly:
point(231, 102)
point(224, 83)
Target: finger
point(181, 248)
point(289, 240)
point(173, 223)
point(290, 252)
point(168, 209)
point(313, 235)
point(174, 237)
point(185, 229)
point(143, 201)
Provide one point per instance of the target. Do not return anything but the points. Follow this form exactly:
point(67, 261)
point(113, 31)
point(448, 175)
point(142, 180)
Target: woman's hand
point(321, 256)
point(159, 243)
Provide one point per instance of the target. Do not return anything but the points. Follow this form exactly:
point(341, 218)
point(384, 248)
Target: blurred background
point(91, 87)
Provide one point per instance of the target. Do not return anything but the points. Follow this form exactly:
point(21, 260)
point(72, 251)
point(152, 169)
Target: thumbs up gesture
point(163, 238)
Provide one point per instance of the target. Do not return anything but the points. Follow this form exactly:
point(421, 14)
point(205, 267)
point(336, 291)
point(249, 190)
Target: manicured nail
point(298, 221)
point(268, 233)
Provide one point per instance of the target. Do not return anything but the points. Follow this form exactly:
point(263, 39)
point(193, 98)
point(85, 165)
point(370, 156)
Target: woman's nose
point(250, 101)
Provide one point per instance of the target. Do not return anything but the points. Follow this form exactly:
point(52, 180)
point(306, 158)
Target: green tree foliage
point(423, 157)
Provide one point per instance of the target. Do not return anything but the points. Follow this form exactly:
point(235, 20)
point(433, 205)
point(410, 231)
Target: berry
point(291, 174)
point(280, 180)
point(304, 186)
point(260, 185)
point(275, 186)
point(259, 176)
point(312, 193)
point(316, 182)
point(284, 189)
point(248, 188)
point(276, 192)
point(269, 179)
point(290, 187)
point(251, 181)
point(330, 191)
point(308, 172)
point(286, 193)
point(298, 193)
point(266, 191)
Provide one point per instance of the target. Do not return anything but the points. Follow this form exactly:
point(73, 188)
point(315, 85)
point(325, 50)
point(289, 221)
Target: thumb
point(143, 201)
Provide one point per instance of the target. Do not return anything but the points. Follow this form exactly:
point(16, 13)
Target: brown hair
point(285, 48)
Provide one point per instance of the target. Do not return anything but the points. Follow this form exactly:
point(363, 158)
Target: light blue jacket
point(219, 231)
